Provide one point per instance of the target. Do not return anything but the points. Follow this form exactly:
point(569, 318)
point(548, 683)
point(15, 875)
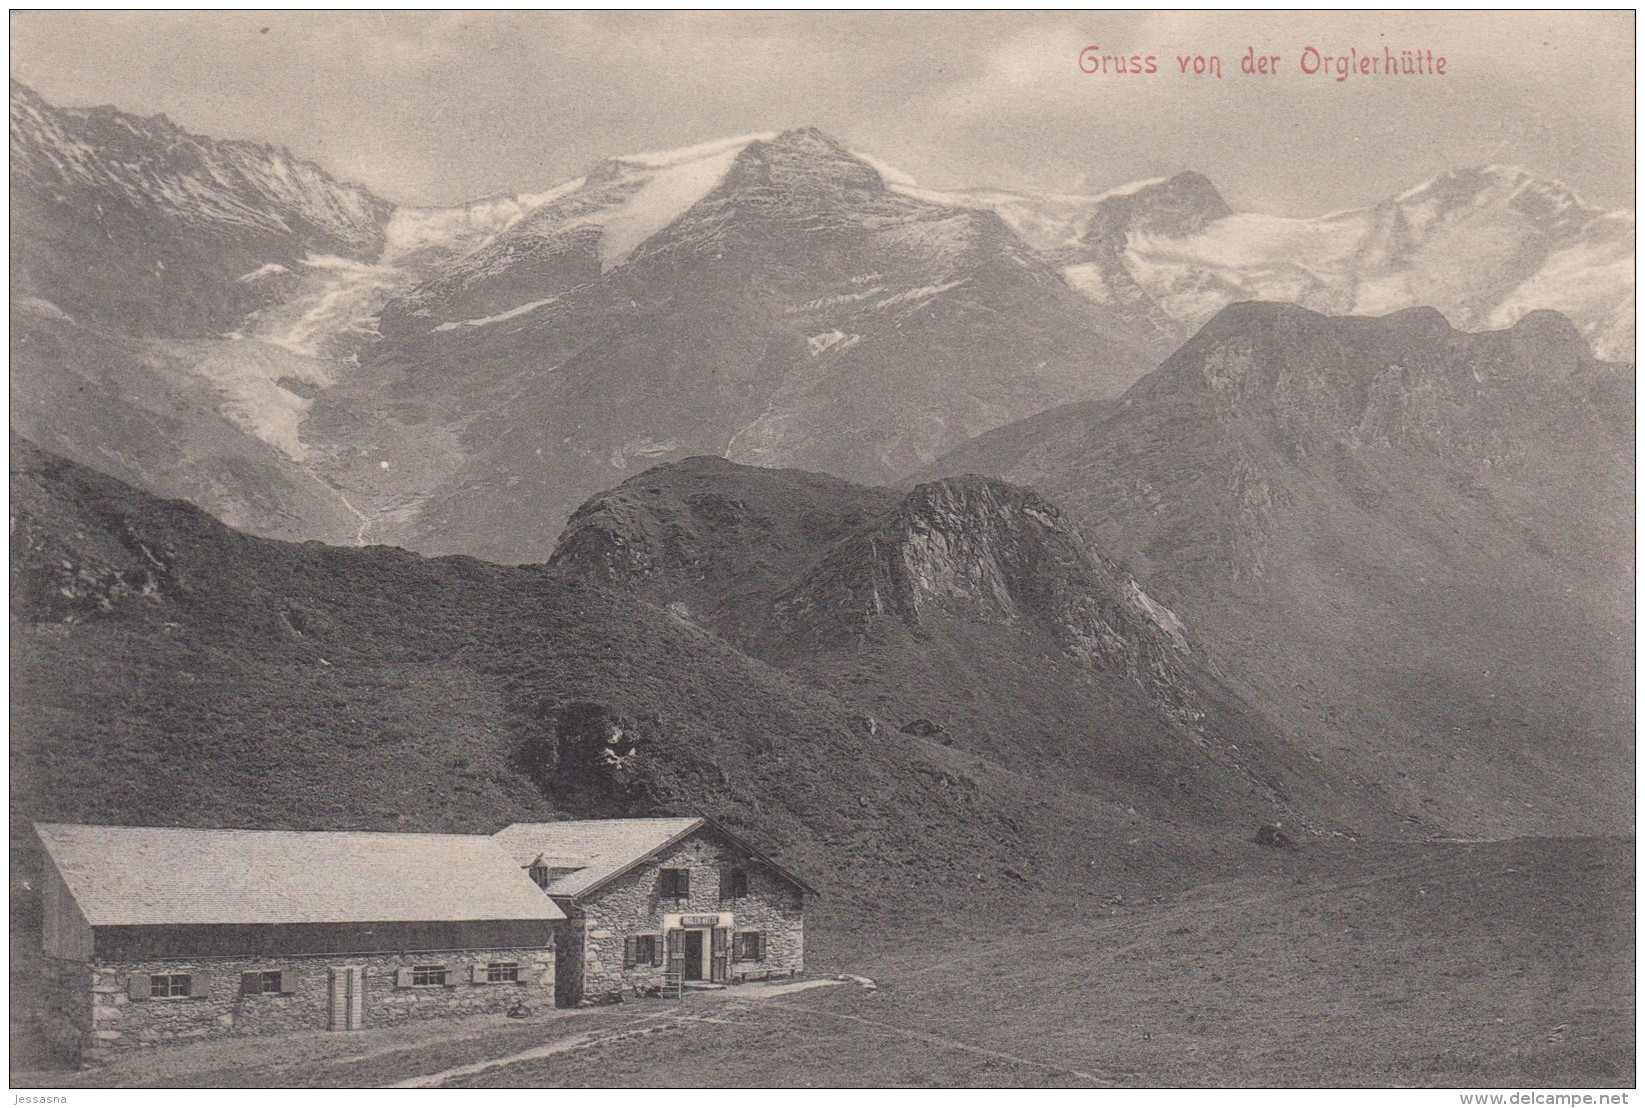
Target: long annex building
point(153, 934)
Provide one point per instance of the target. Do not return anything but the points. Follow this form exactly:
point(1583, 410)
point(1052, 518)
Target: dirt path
point(955, 1044)
point(660, 1022)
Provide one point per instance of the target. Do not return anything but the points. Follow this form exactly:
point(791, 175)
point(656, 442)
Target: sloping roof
point(599, 850)
point(159, 875)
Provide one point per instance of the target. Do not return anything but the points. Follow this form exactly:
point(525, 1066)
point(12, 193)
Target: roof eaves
point(696, 825)
point(754, 852)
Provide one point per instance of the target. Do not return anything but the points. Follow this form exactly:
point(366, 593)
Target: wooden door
point(347, 996)
point(676, 951)
point(720, 964)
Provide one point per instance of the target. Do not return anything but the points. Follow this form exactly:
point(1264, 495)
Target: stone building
point(154, 934)
point(645, 895)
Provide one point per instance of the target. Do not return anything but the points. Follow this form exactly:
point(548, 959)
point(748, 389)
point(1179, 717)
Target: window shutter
point(759, 946)
point(287, 981)
point(478, 974)
point(251, 984)
point(725, 884)
point(199, 984)
point(402, 977)
point(137, 986)
point(631, 952)
point(656, 950)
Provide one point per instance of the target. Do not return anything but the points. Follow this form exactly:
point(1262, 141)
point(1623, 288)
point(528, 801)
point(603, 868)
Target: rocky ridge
point(1365, 521)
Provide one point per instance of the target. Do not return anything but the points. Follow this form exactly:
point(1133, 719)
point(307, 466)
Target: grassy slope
point(407, 698)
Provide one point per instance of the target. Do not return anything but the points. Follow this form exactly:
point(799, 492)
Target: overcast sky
point(433, 108)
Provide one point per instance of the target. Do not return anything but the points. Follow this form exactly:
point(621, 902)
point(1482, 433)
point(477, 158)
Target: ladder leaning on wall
point(674, 975)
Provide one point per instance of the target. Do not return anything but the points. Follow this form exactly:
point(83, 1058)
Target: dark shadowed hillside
point(1410, 545)
point(167, 670)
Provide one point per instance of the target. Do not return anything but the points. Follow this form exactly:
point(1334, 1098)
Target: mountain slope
point(1412, 546)
point(1482, 245)
point(789, 311)
point(167, 670)
point(140, 226)
point(134, 247)
point(216, 320)
point(969, 610)
point(1090, 237)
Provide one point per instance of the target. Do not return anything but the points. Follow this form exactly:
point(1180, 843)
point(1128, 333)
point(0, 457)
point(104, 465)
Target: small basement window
point(675, 883)
point(427, 975)
point(169, 984)
point(733, 884)
point(498, 973)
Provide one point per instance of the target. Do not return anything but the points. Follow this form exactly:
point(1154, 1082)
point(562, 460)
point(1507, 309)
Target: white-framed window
point(426, 976)
point(170, 984)
point(263, 983)
point(499, 973)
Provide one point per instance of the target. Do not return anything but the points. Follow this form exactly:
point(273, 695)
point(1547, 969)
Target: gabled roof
point(159, 875)
point(600, 850)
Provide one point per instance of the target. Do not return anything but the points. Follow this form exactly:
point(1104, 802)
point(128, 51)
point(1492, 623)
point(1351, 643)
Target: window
point(642, 950)
point(733, 884)
point(539, 874)
point(675, 883)
point(260, 982)
point(501, 972)
point(428, 975)
point(748, 946)
point(169, 984)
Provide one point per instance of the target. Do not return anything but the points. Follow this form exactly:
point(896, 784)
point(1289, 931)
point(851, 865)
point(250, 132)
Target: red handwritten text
point(1388, 63)
point(1093, 60)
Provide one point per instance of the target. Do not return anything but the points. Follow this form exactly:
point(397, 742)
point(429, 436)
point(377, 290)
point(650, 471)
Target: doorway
point(693, 955)
point(346, 998)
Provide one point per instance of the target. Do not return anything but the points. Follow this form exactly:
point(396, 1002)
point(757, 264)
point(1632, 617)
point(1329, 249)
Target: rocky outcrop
point(981, 550)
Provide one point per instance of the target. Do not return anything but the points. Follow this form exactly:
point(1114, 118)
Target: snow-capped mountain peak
point(154, 164)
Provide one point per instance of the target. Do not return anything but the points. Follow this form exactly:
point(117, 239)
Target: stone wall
point(119, 1022)
point(630, 905)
